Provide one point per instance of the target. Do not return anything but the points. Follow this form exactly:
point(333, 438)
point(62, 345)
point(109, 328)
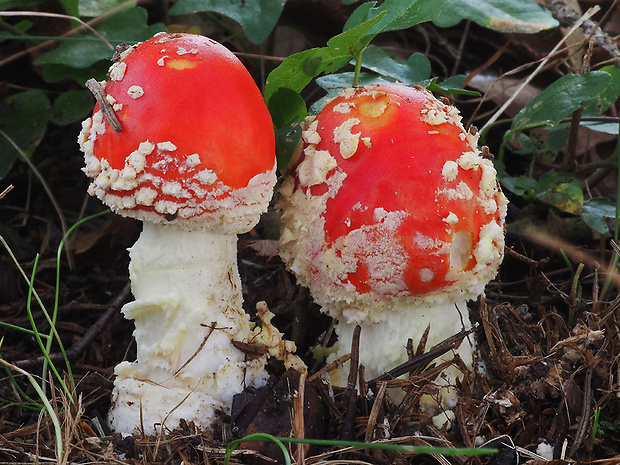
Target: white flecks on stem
point(187, 312)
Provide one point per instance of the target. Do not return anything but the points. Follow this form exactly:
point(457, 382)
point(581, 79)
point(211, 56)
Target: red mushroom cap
point(390, 200)
point(197, 142)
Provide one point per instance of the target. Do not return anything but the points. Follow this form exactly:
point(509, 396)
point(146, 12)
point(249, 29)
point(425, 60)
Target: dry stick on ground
point(460, 422)
point(584, 422)
point(536, 264)
point(74, 351)
point(488, 327)
point(575, 253)
point(323, 388)
point(350, 396)
point(299, 426)
point(330, 367)
point(452, 342)
point(417, 386)
point(6, 191)
point(374, 412)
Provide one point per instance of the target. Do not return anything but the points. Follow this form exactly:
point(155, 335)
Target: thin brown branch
point(74, 351)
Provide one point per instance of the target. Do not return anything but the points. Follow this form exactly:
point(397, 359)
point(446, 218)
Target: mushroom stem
point(384, 337)
point(187, 313)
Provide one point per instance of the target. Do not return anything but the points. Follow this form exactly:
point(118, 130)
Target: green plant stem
point(449, 451)
point(595, 165)
point(616, 259)
point(33, 293)
point(37, 335)
point(61, 246)
point(358, 67)
point(595, 426)
point(23, 330)
point(258, 437)
point(10, 28)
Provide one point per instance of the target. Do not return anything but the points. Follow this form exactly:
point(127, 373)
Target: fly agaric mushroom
point(393, 220)
point(195, 161)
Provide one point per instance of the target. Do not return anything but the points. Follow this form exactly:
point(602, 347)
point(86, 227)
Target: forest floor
point(547, 329)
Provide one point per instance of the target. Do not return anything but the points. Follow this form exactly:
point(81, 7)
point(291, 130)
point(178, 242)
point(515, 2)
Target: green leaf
point(23, 118)
point(415, 70)
point(129, 26)
point(609, 94)
point(21, 4)
point(600, 126)
point(256, 17)
point(400, 14)
point(549, 180)
point(297, 70)
point(70, 7)
point(286, 106)
point(560, 99)
point(519, 185)
point(55, 73)
point(71, 106)
point(524, 16)
point(336, 82)
point(567, 197)
point(595, 211)
point(287, 110)
point(287, 141)
point(453, 85)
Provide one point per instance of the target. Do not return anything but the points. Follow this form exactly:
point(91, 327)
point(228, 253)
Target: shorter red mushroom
point(193, 156)
point(394, 220)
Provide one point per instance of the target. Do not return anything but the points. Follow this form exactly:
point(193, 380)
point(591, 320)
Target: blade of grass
point(33, 293)
point(257, 437)
point(20, 329)
point(47, 405)
point(48, 347)
point(34, 405)
point(449, 451)
point(45, 348)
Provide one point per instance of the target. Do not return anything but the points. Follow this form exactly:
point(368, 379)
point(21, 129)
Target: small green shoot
point(595, 426)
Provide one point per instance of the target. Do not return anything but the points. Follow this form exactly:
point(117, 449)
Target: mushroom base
point(187, 313)
point(383, 342)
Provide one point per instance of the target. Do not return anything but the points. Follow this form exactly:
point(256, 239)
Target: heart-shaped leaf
point(256, 17)
point(524, 16)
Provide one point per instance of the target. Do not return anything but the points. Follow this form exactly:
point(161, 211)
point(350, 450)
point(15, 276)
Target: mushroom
point(393, 220)
point(194, 159)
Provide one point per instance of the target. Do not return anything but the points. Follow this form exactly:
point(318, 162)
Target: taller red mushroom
point(393, 219)
point(195, 160)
